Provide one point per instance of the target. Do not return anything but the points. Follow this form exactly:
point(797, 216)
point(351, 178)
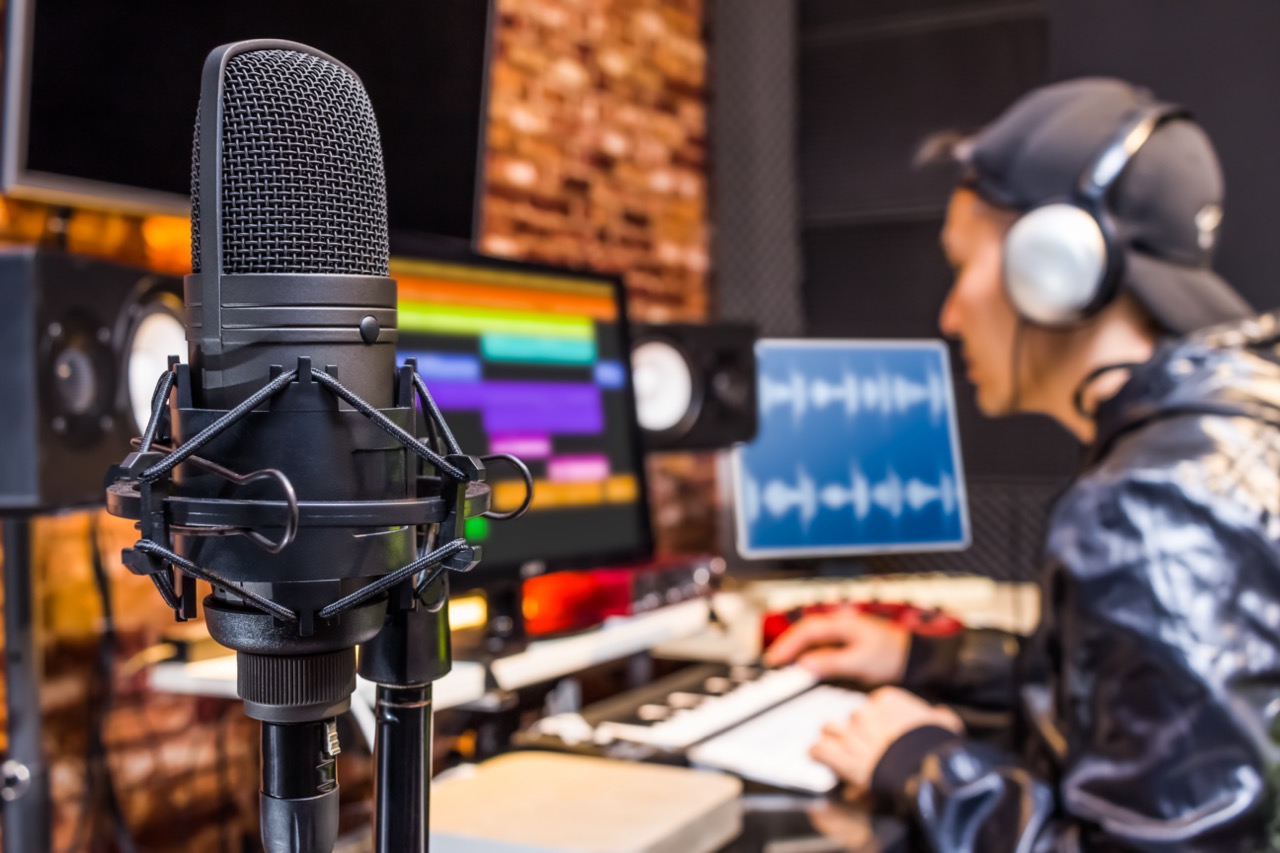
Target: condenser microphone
point(289, 258)
point(280, 464)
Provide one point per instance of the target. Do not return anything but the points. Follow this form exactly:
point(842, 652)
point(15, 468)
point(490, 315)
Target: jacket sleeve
point(1151, 734)
point(974, 668)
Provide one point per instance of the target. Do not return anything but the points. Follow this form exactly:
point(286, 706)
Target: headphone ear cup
point(1056, 264)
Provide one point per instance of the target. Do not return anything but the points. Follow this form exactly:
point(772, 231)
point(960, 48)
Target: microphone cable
point(99, 785)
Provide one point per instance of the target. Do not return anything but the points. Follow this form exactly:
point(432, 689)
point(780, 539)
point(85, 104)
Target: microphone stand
point(410, 652)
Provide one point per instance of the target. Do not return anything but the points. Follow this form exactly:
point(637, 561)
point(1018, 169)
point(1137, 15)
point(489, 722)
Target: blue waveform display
point(857, 451)
point(883, 393)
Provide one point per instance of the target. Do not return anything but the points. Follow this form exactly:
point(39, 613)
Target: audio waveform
point(779, 497)
point(883, 393)
point(891, 494)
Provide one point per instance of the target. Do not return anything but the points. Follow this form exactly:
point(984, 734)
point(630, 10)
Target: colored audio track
point(531, 363)
point(553, 325)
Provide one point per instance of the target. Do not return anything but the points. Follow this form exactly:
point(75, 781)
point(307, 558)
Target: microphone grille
point(302, 184)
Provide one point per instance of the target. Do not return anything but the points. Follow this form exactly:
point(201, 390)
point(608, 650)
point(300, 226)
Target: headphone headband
point(1107, 168)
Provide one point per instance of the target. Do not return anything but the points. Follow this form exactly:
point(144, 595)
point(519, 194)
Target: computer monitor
point(100, 96)
point(857, 452)
point(535, 362)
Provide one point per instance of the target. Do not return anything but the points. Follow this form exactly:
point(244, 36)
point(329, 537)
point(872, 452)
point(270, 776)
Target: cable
point(386, 582)
point(106, 671)
point(434, 413)
point(213, 430)
point(212, 578)
point(385, 424)
point(158, 400)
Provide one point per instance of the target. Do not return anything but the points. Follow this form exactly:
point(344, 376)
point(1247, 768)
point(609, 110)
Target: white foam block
point(535, 802)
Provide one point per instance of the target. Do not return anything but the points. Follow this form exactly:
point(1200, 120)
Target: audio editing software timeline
point(534, 363)
point(857, 452)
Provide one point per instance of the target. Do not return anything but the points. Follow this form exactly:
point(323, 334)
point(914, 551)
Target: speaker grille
point(303, 187)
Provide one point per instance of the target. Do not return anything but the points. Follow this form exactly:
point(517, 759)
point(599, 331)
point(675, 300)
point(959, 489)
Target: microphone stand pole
point(410, 652)
point(25, 785)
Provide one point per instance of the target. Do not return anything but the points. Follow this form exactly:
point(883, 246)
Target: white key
point(774, 747)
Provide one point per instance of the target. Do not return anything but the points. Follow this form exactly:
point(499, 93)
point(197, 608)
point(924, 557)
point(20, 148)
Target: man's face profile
point(977, 312)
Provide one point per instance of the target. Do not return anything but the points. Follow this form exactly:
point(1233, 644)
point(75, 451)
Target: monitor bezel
point(492, 574)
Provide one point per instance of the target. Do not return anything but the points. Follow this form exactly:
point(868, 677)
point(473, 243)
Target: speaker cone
point(158, 332)
point(664, 386)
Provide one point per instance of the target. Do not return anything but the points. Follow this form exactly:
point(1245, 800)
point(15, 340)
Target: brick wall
point(597, 157)
point(597, 144)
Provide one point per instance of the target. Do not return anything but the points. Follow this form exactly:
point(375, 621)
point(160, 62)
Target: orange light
point(168, 243)
point(468, 611)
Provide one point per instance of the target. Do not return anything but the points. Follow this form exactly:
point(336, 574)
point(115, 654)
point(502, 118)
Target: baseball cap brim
point(1179, 298)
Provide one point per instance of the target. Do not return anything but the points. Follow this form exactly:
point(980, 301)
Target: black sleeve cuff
point(931, 662)
point(903, 758)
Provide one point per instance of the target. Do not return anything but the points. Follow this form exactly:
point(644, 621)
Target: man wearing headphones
point(1145, 702)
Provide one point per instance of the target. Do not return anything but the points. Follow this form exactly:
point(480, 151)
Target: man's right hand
point(845, 645)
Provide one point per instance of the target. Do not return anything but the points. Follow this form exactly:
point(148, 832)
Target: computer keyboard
point(678, 711)
point(773, 748)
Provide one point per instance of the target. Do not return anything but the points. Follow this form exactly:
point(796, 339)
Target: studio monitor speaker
point(82, 343)
point(695, 384)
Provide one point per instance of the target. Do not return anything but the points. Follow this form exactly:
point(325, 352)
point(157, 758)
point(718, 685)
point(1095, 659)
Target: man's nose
point(949, 316)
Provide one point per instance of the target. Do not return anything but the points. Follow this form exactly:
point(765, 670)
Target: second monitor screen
point(533, 363)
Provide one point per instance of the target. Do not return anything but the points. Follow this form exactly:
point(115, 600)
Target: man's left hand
point(854, 748)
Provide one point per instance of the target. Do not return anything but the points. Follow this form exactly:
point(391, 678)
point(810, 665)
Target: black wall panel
point(868, 97)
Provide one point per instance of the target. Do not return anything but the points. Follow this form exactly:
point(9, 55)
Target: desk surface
point(786, 824)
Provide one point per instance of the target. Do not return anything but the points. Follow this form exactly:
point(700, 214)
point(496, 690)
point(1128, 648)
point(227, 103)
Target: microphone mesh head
point(303, 188)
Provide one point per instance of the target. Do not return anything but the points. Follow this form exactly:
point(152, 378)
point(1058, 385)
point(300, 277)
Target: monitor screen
point(857, 452)
point(110, 89)
point(534, 362)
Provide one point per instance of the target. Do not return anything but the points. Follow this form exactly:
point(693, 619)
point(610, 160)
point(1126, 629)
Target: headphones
point(1063, 262)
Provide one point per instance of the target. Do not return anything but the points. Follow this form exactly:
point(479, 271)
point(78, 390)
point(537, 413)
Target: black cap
point(1166, 207)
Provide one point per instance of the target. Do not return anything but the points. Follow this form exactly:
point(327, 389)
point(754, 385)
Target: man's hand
point(846, 645)
point(853, 749)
